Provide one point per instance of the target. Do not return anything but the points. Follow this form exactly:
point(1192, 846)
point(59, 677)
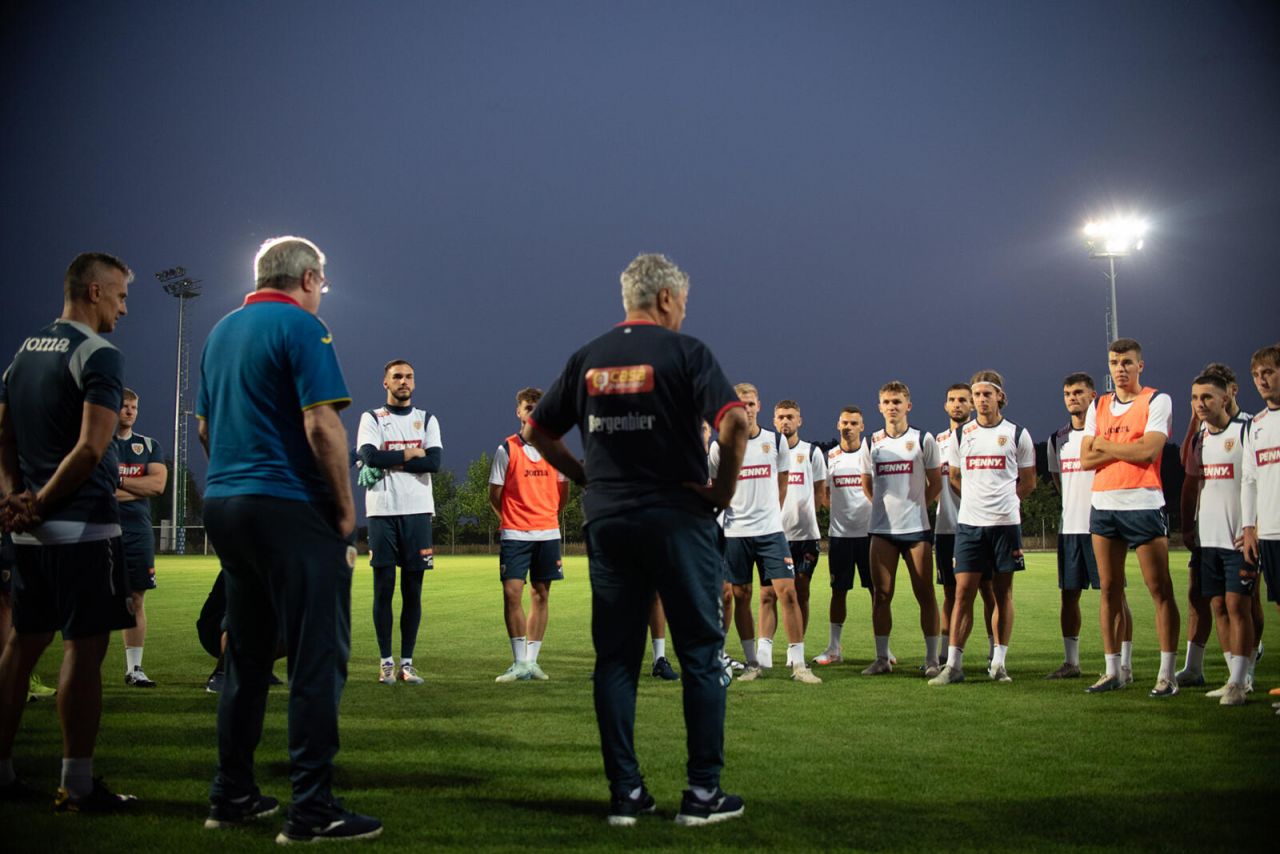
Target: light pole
point(1112, 239)
point(178, 284)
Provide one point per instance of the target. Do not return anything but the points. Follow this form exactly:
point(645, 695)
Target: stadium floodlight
point(177, 283)
point(1114, 238)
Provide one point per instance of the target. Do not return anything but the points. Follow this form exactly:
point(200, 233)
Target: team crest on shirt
point(1002, 441)
point(766, 448)
point(137, 447)
point(800, 457)
point(1229, 444)
point(417, 425)
point(911, 445)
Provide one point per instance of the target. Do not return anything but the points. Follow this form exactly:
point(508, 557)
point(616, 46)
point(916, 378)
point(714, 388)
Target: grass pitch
point(883, 763)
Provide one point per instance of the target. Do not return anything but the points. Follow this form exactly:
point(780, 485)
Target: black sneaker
point(225, 813)
point(99, 800)
point(214, 685)
point(663, 670)
point(138, 679)
point(624, 810)
point(720, 807)
point(341, 826)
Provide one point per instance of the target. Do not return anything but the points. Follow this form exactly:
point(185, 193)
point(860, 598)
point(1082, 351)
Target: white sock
point(6, 772)
point(635, 793)
point(531, 649)
point(931, 645)
point(132, 658)
point(795, 654)
point(406, 662)
point(1126, 655)
point(991, 646)
point(1113, 665)
point(882, 646)
point(77, 776)
point(1239, 668)
point(1226, 657)
point(1253, 661)
point(749, 649)
point(837, 630)
point(659, 648)
point(955, 658)
point(1195, 658)
point(1071, 649)
point(518, 651)
point(390, 661)
point(998, 655)
point(764, 652)
point(1168, 661)
point(701, 793)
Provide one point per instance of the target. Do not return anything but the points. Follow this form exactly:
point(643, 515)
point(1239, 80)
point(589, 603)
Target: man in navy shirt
point(142, 477)
point(639, 394)
point(59, 403)
point(279, 511)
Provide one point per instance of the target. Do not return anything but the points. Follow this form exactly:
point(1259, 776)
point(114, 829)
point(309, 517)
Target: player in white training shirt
point(1124, 437)
point(849, 543)
point(993, 467)
point(753, 532)
point(399, 447)
point(1077, 566)
point(902, 476)
point(1260, 481)
point(806, 490)
point(959, 407)
point(1213, 471)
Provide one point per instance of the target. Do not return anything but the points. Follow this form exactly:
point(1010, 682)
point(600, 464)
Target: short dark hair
point(1213, 379)
point(786, 404)
point(960, 387)
point(1078, 378)
point(1222, 370)
point(851, 409)
point(75, 284)
point(389, 365)
point(530, 394)
point(1125, 345)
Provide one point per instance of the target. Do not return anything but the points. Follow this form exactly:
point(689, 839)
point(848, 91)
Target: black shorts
point(989, 549)
point(944, 559)
point(139, 559)
point(844, 555)
point(769, 552)
point(1269, 564)
point(1077, 565)
point(1220, 573)
point(77, 589)
point(804, 555)
point(906, 542)
point(536, 559)
point(403, 541)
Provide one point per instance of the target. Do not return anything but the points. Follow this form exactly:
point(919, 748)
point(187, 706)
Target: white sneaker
point(752, 672)
point(387, 673)
point(880, 665)
point(1187, 678)
point(517, 672)
point(1217, 693)
point(1233, 696)
point(949, 676)
point(409, 676)
point(1126, 675)
point(999, 674)
point(800, 673)
point(830, 655)
point(535, 672)
point(931, 669)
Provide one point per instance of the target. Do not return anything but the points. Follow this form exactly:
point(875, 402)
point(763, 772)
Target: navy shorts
point(804, 555)
point(904, 542)
point(538, 559)
point(944, 559)
point(139, 559)
point(989, 549)
point(1220, 573)
point(1269, 563)
point(768, 552)
point(7, 561)
point(77, 589)
point(1135, 527)
point(844, 555)
point(403, 541)
point(1077, 565)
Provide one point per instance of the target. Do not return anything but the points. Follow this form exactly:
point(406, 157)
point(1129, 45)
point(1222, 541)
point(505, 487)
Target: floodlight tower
point(1112, 239)
point(178, 284)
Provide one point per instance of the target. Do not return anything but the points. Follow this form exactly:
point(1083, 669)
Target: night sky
point(859, 192)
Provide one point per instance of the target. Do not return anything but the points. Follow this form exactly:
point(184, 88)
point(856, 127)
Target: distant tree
point(571, 517)
point(473, 497)
point(444, 488)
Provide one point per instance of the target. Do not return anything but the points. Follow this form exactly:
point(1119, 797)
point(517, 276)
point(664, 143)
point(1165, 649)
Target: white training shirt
point(1077, 484)
point(807, 466)
point(399, 493)
point(1260, 486)
point(1159, 420)
point(1218, 460)
point(850, 509)
point(948, 500)
point(989, 459)
point(897, 466)
point(754, 510)
point(498, 477)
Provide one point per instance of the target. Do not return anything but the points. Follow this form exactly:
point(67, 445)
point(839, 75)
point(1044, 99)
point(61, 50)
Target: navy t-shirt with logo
point(132, 456)
point(639, 394)
point(53, 375)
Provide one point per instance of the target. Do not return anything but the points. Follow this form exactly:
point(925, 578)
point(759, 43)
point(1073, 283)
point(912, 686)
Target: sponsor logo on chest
point(1071, 465)
point(1267, 456)
point(986, 462)
point(753, 472)
point(46, 345)
point(1219, 471)
point(625, 379)
point(895, 467)
point(847, 480)
point(132, 469)
point(401, 444)
point(795, 478)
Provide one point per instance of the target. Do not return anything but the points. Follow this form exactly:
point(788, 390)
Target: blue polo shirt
point(133, 456)
point(263, 365)
point(54, 374)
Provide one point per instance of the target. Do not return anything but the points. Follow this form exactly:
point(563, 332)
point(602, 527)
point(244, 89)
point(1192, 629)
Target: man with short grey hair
point(279, 511)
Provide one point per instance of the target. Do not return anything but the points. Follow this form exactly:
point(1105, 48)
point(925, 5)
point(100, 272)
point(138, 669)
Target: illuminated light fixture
point(1114, 238)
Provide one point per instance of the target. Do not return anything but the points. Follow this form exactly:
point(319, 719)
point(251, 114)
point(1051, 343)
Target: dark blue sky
point(860, 192)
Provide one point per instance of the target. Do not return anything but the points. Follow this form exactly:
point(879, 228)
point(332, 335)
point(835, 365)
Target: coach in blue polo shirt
point(279, 512)
point(639, 394)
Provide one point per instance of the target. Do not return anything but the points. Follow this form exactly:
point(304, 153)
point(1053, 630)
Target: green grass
point(857, 763)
